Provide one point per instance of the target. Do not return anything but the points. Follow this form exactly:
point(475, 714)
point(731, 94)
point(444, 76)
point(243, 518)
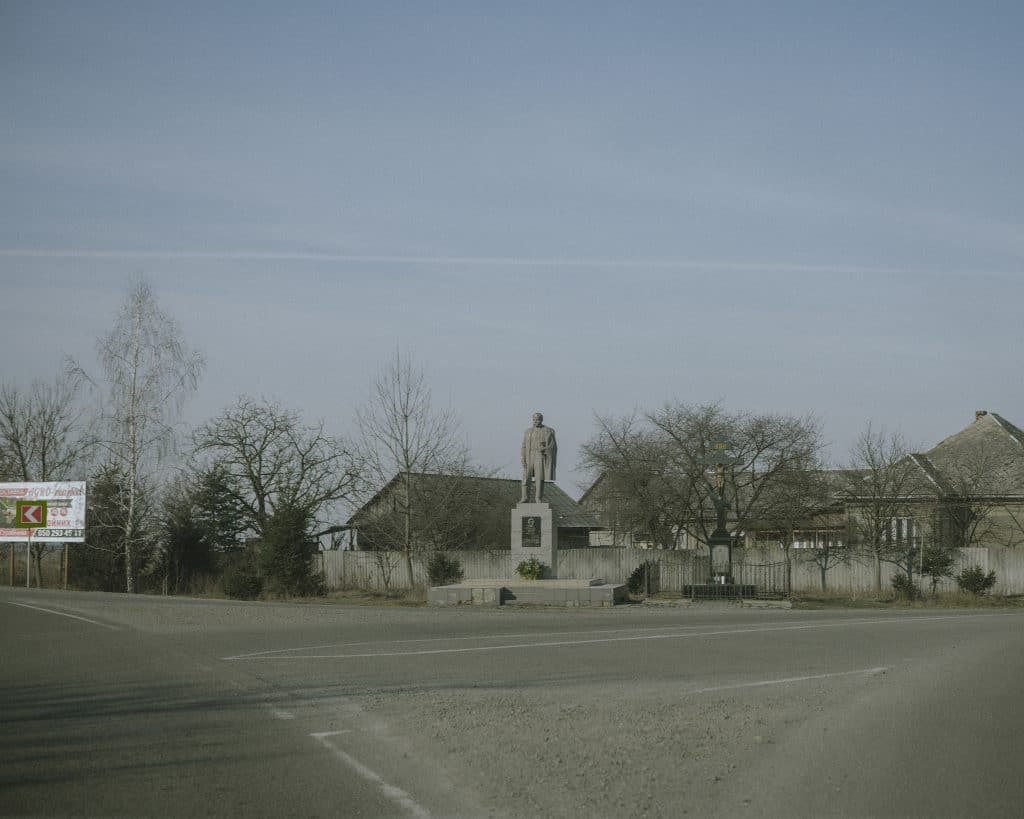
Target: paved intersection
point(142, 706)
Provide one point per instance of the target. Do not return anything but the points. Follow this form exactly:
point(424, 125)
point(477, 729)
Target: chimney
point(979, 414)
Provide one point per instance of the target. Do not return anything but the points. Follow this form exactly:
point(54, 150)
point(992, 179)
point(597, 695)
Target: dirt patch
point(415, 597)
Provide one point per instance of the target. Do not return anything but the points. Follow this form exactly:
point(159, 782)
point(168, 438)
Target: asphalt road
point(138, 706)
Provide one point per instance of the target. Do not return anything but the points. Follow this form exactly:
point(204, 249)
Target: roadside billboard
point(45, 512)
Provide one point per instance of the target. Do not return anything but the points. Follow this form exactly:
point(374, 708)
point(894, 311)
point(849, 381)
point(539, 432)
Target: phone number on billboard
point(59, 533)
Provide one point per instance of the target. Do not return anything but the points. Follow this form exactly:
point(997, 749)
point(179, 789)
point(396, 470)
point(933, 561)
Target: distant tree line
point(238, 502)
point(655, 479)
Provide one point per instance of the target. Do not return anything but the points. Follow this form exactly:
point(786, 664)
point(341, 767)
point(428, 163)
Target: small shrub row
point(973, 581)
point(531, 569)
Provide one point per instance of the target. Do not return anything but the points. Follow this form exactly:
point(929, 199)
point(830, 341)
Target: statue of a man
point(539, 454)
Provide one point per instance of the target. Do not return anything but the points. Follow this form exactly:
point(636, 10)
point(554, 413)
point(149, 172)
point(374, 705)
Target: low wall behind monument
point(765, 568)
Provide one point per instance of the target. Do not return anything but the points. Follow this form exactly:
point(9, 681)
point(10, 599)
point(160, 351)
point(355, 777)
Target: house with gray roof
point(967, 490)
point(457, 512)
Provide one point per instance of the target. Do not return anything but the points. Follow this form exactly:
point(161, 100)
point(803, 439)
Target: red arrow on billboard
point(31, 514)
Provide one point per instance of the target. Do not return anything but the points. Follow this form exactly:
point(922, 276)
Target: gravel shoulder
point(579, 750)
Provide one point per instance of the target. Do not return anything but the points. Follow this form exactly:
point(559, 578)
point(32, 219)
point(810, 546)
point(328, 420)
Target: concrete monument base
point(529, 593)
point(535, 534)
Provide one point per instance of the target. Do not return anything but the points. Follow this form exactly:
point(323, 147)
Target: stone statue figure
point(539, 455)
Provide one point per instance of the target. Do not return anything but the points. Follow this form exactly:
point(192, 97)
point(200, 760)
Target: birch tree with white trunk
point(150, 372)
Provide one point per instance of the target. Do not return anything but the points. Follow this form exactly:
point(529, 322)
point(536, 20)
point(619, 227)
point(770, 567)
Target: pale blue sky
point(572, 207)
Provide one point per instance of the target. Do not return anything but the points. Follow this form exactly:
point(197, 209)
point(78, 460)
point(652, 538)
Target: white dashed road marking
point(879, 670)
point(391, 792)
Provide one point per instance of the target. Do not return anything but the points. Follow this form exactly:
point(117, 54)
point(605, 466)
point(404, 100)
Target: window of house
point(817, 539)
point(904, 532)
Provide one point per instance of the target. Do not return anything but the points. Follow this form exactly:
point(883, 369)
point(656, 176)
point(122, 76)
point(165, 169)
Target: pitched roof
point(991, 447)
point(931, 475)
point(505, 491)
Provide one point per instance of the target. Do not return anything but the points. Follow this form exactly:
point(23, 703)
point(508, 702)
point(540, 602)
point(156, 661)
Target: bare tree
point(1011, 532)
point(265, 458)
point(766, 450)
point(387, 561)
point(637, 486)
point(46, 434)
point(101, 560)
point(150, 372)
point(403, 435)
point(830, 549)
point(878, 488)
point(656, 475)
point(799, 496)
point(971, 490)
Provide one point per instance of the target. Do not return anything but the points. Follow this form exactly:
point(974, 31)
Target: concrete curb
point(721, 605)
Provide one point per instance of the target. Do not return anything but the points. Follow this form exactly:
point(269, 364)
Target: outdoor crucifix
point(720, 542)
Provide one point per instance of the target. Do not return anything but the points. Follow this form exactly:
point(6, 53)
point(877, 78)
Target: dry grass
point(887, 600)
point(361, 597)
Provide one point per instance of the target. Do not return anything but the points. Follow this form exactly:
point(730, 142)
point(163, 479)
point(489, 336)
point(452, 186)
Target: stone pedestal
point(535, 534)
point(720, 547)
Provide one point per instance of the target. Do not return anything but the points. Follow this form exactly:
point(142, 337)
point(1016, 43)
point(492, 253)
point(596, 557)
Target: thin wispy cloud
point(488, 261)
point(591, 217)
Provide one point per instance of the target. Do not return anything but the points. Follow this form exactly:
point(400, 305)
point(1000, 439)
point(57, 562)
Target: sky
point(577, 208)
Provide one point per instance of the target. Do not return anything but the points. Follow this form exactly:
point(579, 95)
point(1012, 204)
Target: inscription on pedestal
point(531, 532)
point(720, 563)
point(535, 535)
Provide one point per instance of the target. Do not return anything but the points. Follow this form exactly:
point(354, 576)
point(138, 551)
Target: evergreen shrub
point(975, 581)
point(443, 569)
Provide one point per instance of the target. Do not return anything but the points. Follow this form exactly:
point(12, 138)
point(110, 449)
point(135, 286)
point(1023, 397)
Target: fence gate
point(768, 575)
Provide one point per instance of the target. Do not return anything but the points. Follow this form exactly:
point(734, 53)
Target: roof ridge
point(1012, 430)
point(931, 472)
point(559, 498)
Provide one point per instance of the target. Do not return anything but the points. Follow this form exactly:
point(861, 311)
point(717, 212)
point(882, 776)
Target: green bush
point(936, 563)
point(531, 569)
point(645, 578)
point(905, 587)
point(443, 569)
point(286, 554)
point(975, 581)
point(241, 581)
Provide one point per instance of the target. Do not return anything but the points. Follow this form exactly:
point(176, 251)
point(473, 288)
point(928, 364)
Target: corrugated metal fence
point(764, 568)
point(380, 570)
